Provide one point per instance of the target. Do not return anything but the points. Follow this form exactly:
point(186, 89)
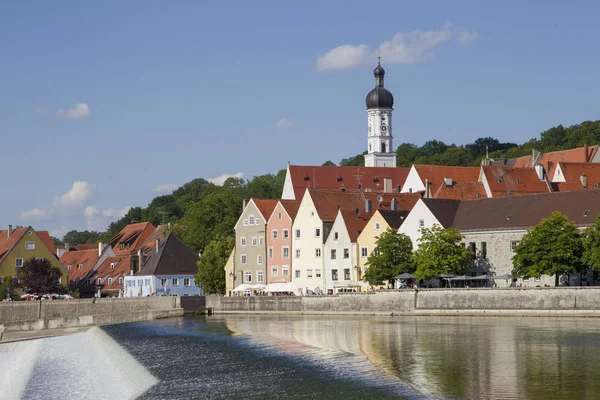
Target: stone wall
point(580, 301)
point(46, 314)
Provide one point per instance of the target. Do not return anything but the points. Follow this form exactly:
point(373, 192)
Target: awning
point(280, 287)
point(258, 286)
point(243, 287)
point(345, 285)
point(405, 275)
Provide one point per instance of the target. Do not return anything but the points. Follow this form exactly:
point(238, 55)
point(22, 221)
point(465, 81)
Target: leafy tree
point(73, 238)
point(391, 257)
point(267, 186)
point(406, 154)
point(440, 252)
point(433, 147)
point(39, 276)
point(7, 289)
point(356, 161)
point(328, 163)
point(56, 241)
point(552, 247)
point(591, 245)
point(211, 273)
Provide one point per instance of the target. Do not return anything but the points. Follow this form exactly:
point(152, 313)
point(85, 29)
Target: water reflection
point(460, 357)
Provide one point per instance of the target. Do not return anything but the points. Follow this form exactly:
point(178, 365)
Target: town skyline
point(115, 126)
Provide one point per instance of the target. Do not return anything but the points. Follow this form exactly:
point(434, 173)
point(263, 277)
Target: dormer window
point(112, 265)
point(509, 217)
point(499, 180)
point(586, 213)
point(79, 266)
point(121, 246)
point(69, 267)
point(519, 182)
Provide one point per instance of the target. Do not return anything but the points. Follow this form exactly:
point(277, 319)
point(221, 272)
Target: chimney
point(427, 189)
point(10, 231)
point(101, 247)
point(368, 206)
point(387, 185)
point(398, 188)
point(393, 205)
point(448, 182)
point(539, 169)
point(157, 244)
point(583, 179)
point(586, 153)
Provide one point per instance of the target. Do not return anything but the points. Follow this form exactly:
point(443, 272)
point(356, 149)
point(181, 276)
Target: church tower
point(380, 103)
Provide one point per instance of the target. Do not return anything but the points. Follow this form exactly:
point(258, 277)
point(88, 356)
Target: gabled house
point(168, 269)
point(250, 243)
point(575, 176)
point(81, 264)
point(585, 154)
point(501, 181)
point(21, 244)
point(427, 213)
point(298, 178)
point(429, 178)
point(381, 221)
point(340, 251)
point(279, 241)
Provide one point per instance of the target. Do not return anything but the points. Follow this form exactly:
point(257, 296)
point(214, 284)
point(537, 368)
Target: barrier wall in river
point(576, 301)
point(53, 314)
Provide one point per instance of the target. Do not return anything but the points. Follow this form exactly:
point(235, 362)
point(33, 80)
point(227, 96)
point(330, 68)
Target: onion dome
point(379, 97)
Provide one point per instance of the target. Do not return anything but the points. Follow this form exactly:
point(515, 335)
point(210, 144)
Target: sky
point(105, 105)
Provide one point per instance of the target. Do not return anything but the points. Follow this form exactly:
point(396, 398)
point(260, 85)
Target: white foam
point(16, 364)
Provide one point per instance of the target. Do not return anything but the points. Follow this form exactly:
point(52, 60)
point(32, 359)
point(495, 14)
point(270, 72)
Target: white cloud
point(283, 123)
point(81, 110)
point(403, 48)
point(37, 214)
point(77, 196)
point(166, 188)
point(59, 232)
point(98, 220)
point(115, 213)
point(219, 180)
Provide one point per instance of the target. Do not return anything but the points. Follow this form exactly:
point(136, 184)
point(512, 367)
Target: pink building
point(279, 241)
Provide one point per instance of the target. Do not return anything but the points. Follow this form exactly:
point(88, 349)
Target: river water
point(310, 357)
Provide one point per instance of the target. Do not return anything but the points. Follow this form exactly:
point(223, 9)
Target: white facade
point(339, 257)
point(380, 146)
point(288, 188)
point(413, 183)
point(419, 217)
point(307, 247)
point(179, 285)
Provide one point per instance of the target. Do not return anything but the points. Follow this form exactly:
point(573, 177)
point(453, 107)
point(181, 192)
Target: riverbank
point(517, 302)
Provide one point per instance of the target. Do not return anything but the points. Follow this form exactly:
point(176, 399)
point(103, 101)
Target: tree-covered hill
point(200, 211)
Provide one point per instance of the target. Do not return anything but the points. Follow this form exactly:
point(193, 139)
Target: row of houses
point(320, 234)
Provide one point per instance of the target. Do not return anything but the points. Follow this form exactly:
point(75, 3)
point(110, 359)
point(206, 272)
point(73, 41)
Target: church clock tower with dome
point(380, 103)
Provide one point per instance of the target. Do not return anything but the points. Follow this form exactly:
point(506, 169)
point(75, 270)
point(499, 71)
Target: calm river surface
point(258, 356)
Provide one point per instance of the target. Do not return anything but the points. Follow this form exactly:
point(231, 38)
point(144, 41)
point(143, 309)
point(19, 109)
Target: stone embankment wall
point(53, 314)
point(584, 301)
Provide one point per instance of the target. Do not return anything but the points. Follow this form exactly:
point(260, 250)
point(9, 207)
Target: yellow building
point(379, 223)
point(21, 244)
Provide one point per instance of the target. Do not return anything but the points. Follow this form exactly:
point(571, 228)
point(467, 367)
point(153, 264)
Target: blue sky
point(101, 103)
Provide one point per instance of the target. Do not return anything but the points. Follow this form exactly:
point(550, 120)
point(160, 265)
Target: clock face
point(384, 128)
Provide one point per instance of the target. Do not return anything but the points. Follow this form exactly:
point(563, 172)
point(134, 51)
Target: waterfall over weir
point(87, 365)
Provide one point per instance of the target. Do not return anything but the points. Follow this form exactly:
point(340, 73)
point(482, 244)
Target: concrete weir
point(56, 314)
point(567, 301)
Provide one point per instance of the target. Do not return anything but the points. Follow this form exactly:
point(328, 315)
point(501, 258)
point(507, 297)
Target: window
point(484, 250)
point(246, 222)
point(377, 226)
point(163, 282)
point(110, 281)
point(243, 259)
point(335, 236)
point(586, 213)
point(333, 254)
point(513, 244)
point(346, 253)
point(312, 213)
point(147, 282)
point(112, 265)
point(257, 221)
point(286, 234)
point(243, 241)
point(317, 253)
point(274, 271)
point(121, 281)
point(334, 275)
point(473, 249)
point(247, 276)
point(376, 251)
point(260, 276)
point(285, 270)
point(186, 281)
point(261, 241)
point(29, 245)
point(309, 273)
point(16, 264)
point(347, 274)
point(175, 281)
point(317, 273)
point(254, 241)
point(297, 274)
point(317, 232)
point(537, 278)
point(270, 252)
point(19, 262)
point(251, 220)
point(274, 234)
point(99, 281)
point(525, 279)
point(285, 250)
point(421, 223)
point(259, 259)
point(364, 252)
point(278, 215)
point(79, 266)
point(297, 233)
point(297, 253)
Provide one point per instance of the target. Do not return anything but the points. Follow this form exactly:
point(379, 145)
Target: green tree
point(266, 186)
point(591, 245)
point(73, 238)
point(56, 241)
point(440, 252)
point(328, 163)
point(211, 267)
point(552, 247)
point(39, 276)
point(391, 257)
point(356, 161)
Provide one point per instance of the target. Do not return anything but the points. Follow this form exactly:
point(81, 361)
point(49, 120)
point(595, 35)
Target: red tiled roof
point(572, 173)
point(74, 258)
point(45, 236)
point(355, 223)
point(85, 246)
point(8, 242)
point(135, 235)
point(352, 179)
point(460, 191)
point(291, 207)
point(265, 206)
point(577, 155)
point(437, 173)
point(505, 181)
point(104, 271)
